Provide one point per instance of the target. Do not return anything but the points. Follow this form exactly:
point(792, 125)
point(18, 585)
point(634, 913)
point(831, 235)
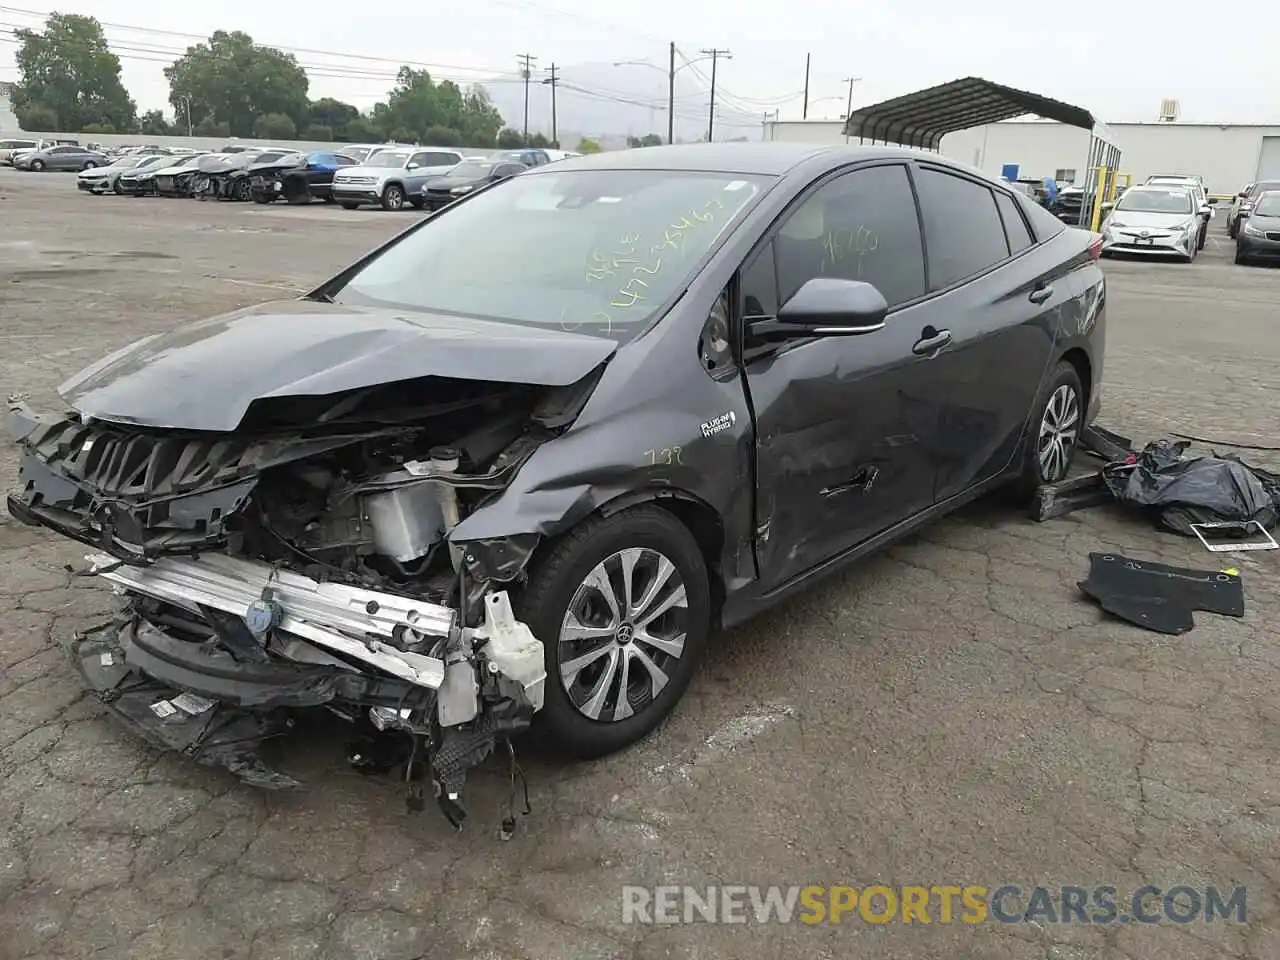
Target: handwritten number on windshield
point(632, 290)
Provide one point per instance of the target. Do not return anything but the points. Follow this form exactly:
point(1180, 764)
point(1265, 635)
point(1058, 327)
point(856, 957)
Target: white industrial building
point(1227, 155)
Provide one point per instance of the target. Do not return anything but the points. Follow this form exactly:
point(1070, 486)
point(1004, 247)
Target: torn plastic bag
point(1185, 490)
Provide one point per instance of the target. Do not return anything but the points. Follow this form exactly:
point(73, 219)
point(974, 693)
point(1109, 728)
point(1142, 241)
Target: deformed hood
point(205, 375)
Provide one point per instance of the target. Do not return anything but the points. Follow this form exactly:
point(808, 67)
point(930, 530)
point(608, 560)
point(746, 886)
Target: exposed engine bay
point(304, 561)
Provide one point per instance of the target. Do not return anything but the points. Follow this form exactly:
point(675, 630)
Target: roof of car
point(769, 158)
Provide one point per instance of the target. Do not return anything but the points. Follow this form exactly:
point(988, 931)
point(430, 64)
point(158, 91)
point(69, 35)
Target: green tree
point(509, 139)
point(417, 103)
point(648, 140)
point(275, 126)
point(363, 130)
point(540, 140)
point(231, 80)
point(319, 132)
point(37, 118)
point(97, 128)
point(210, 127)
point(438, 136)
point(154, 124)
point(331, 113)
point(68, 70)
point(588, 145)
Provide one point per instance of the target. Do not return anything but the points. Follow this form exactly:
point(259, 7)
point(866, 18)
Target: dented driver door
point(844, 425)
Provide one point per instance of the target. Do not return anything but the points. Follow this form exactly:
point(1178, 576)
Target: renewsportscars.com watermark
point(943, 903)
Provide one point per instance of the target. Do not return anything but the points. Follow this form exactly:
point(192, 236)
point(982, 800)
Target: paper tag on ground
point(190, 703)
point(106, 660)
point(163, 708)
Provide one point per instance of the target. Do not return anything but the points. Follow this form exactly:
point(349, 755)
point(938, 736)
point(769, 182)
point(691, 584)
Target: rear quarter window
point(1044, 225)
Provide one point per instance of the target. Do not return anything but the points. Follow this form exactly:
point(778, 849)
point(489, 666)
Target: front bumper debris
point(214, 656)
point(330, 615)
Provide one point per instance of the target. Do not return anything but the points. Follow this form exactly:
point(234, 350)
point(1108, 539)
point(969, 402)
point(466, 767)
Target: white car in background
point(1155, 218)
point(1196, 185)
point(106, 179)
point(392, 177)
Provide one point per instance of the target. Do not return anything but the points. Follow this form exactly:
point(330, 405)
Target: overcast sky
point(1121, 73)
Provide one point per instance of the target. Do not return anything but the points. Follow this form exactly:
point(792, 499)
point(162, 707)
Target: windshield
point(1268, 205)
point(472, 168)
point(125, 163)
point(1141, 200)
point(1265, 186)
point(388, 158)
point(596, 251)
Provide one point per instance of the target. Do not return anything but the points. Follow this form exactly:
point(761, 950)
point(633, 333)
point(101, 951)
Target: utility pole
point(552, 79)
point(671, 97)
point(526, 64)
point(805, 115)
point(187, 102)
point(848, 110)
point(715, 56)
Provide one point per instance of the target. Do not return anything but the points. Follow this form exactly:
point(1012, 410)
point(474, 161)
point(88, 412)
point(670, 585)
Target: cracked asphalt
point(950, 711)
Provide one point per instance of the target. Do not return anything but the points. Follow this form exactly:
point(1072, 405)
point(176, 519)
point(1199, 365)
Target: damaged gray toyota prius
point(510, 468)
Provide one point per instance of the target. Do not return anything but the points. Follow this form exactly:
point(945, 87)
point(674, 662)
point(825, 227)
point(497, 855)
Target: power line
point(527, 60)
point(552, 80)
point(715, 55)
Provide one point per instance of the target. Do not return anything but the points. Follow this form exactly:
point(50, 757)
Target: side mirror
point(1206, 211)
point(412, 166)
point(827, 307)
point(1212, 201)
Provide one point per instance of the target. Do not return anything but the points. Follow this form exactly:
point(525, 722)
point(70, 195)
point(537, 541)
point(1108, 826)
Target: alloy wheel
point(394, 198)
point(622, 632)
point(1059, 428)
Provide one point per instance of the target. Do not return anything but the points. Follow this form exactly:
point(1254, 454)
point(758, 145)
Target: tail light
point(1095, 247)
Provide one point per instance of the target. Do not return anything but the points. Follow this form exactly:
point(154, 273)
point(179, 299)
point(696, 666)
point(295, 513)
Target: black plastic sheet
point(1183, 490)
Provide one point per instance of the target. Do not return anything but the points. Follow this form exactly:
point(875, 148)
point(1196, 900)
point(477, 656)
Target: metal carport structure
point(921, 119)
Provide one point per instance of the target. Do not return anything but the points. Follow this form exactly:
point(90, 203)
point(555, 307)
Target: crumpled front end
point(272, 570)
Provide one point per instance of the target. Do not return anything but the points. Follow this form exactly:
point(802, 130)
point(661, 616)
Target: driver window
point(860, 226)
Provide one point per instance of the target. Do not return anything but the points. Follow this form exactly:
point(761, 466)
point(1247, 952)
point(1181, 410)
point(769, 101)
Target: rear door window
point(1015, 227)
point(963, 231)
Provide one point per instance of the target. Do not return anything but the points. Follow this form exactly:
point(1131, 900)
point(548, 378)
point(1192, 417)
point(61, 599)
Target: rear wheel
point(1054, 435)
point(89, 165)
point(115, 187)
point(622, 605)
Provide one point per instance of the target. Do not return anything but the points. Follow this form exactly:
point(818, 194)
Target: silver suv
point(392, 177)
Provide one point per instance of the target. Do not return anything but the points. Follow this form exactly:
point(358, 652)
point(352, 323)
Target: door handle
point(931, 342)
point(1041, 294)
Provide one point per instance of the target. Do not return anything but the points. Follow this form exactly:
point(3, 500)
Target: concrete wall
point(195, 143)
point(1226, 155)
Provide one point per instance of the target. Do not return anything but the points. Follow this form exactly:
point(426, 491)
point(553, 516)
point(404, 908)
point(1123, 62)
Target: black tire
point(393, 197)
point(348, 205)
point(115, 188)
point(556, 580)
point(1240, 257)
point(297, 196)
point(1033, 472)
point(37, 165)
point(1233, 230)
point(263, 198)
point(241, 190)
point(1204, 236)
point(89, 165)
point(417, 203)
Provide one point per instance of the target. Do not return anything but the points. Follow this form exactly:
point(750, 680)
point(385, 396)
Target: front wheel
point(37, 165)
point(1056, 423)
point(1233, 230)
point(89, 165)
point(393, 198)
point(1240, 256)
point(623, 606)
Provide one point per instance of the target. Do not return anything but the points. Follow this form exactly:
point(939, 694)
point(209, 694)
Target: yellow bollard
point(1098, 195)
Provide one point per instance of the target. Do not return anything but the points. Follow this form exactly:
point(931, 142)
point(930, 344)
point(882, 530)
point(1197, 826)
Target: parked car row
point(391, 176)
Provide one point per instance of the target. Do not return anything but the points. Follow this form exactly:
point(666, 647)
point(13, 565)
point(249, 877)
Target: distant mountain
point(611, 102)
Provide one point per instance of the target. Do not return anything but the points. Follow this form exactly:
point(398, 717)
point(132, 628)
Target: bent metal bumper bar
point(349, 620)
